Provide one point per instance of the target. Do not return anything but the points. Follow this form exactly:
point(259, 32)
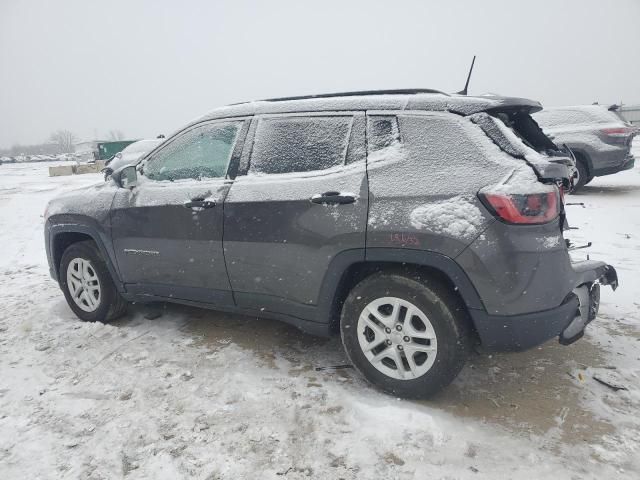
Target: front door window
point(203, 152)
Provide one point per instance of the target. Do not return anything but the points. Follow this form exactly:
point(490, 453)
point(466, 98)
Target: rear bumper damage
point(588, 295)
point(567, 321)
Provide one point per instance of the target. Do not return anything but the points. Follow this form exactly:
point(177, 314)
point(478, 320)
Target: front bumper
point(567, 321)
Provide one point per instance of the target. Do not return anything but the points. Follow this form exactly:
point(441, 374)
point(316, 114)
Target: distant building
point(631, 114)
point(87, 150)
point(100, 149)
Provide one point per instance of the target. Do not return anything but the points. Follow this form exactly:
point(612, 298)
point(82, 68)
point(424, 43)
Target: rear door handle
point(333, 198)
point(200, 204)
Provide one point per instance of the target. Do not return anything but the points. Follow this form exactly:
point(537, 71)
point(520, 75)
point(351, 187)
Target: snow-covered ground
point(200, 394)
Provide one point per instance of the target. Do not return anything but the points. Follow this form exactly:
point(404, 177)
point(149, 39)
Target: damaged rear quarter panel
point(423, 190)
point(519, 269)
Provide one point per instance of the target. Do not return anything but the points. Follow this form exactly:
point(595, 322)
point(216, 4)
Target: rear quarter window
point(299, 144)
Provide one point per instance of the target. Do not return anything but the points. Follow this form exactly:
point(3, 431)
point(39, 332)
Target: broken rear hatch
point(515, 132)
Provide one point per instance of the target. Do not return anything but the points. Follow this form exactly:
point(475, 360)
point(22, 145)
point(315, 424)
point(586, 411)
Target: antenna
point(466, 85)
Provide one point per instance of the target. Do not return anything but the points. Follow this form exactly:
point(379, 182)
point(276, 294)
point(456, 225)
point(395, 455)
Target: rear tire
point(583, 174)
point(408, 357)
point(87, 284)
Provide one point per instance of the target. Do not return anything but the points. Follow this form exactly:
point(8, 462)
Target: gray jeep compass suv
point(411, 222)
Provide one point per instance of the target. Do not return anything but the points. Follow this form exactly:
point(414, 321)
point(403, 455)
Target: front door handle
point(333, 198)
point(200, 204)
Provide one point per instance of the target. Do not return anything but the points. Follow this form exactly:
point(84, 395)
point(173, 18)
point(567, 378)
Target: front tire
point(87, 284)
point(407, 335)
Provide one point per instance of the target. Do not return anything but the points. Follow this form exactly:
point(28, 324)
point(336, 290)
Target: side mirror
point(107, 172)
point(126, 177)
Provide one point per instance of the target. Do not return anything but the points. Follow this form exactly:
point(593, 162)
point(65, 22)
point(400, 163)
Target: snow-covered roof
point(461, 104)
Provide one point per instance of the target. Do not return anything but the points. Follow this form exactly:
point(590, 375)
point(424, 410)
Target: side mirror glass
point(127, 177)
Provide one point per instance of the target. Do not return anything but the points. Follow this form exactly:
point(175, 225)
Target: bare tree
point(64, 139)
point(115, 135)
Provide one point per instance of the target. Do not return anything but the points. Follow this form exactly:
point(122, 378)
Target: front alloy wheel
point(87, 284)
point(83, 284)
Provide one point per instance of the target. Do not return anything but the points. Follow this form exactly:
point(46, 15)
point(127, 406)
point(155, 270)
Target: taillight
point(618, 132)
point(528, 209)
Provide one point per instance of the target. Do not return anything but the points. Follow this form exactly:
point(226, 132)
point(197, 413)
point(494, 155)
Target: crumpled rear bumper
point(588, 294)
point(567, 321)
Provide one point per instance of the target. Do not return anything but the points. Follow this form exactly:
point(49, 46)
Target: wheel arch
point(583, 156)
point(351, 267)
point(62, 237)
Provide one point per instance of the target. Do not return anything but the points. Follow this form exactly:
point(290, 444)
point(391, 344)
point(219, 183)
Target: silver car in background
point(132, 153)
point(599, 138)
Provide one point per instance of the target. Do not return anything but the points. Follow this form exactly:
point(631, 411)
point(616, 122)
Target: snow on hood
point(86, 200)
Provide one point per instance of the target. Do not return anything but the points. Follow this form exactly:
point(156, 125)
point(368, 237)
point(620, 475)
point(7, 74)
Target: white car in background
point(132, 153)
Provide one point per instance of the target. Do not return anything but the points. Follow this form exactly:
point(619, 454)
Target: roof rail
point(403, 91)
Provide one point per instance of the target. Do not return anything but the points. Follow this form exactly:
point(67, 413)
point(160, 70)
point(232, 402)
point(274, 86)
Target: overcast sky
point(147, 67)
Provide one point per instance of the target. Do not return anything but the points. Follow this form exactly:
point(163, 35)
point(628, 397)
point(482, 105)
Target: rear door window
point(299, 144)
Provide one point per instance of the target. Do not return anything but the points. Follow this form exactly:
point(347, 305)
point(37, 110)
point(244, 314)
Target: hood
point(91, 201)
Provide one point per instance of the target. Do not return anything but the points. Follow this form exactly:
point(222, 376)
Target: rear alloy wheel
point(407, 335)
point(397, 338)
point(87, 284)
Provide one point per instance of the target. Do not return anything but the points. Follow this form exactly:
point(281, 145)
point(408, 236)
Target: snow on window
point(384, 139)
point(203, 152)
point(357, 147)
point(383, 132)
point(299, 144)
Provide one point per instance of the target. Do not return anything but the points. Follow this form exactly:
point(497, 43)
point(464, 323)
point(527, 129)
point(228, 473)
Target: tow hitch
point(588, 304)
